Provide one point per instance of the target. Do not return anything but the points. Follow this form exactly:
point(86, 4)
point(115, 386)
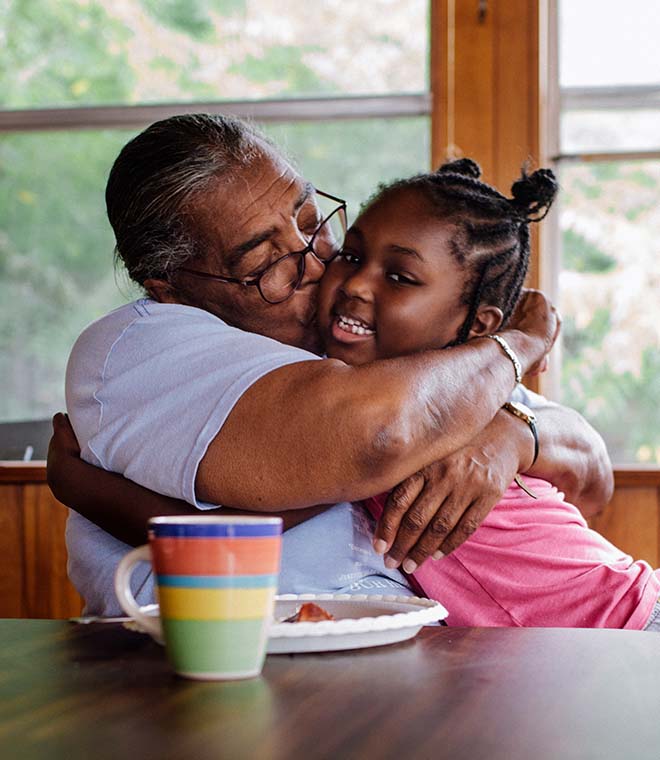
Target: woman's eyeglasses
point(280, 279)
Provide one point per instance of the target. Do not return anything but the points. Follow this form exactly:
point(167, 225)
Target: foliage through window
point(56, 248)
point(610, 223)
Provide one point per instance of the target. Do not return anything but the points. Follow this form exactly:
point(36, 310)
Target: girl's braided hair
point(492, 231)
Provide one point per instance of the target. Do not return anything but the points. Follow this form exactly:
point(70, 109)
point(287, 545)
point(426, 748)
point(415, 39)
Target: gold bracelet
point(519, 481)
point(510, 353)
point(525, 414)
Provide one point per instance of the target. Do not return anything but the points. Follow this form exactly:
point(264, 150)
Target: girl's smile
point(347, 329)
point(395, 288)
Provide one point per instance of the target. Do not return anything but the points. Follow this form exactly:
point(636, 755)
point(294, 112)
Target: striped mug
point(216, 579)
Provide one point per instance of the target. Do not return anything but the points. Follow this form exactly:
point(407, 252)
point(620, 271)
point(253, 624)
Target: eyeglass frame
point(309, 248)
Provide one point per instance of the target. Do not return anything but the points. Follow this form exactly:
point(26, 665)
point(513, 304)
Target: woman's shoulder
point(163, 334)
point(148, 319)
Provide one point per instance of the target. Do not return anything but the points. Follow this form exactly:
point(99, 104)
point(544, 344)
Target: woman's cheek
point(327, 292)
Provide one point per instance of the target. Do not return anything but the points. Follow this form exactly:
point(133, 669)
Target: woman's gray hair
point(156, 175)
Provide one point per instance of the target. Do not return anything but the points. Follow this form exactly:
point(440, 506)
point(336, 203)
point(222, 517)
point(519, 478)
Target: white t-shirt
point(148, 387)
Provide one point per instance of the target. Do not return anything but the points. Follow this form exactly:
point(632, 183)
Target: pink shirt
point(535, 562)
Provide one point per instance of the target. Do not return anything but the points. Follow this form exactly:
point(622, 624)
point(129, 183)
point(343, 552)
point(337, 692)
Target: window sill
point(636, 475)
point(23, 472)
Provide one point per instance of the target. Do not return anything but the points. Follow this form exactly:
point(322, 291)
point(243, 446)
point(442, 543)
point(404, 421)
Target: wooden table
point(98, 691)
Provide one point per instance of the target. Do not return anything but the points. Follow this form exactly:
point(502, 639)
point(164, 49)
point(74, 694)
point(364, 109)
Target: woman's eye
point(309, 225)
point(268, 259)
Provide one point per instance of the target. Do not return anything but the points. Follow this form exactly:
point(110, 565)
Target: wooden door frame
point(500, 63)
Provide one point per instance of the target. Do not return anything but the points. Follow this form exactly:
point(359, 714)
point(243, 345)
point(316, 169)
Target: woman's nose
point(314, 268)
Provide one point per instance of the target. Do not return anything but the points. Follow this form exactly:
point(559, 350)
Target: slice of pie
point(309, 613)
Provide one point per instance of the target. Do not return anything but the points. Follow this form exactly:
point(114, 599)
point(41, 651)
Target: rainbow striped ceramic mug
point(216, 579)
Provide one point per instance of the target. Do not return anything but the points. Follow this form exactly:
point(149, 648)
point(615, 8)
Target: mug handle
point(150, 623)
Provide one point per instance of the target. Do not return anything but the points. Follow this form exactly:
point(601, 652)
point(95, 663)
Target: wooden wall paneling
point(49, 594)
point(37, 587)
point(33, 580)
point(631, 521)
point(12, 573)
point(65, 600)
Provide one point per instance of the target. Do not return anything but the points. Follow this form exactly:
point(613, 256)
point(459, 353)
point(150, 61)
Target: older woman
point(210, 391)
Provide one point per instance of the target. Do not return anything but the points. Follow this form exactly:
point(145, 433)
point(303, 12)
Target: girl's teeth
point(353, 326)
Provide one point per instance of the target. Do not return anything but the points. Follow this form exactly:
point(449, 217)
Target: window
point(342, 86)
point(609, 276)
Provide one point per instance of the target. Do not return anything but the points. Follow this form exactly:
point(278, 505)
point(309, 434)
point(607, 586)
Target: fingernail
point(438, 555)
point(391, 563)
point(380, 546)
point(409, 565)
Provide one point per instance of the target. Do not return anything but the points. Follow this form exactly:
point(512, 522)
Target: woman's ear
point(486, 322)
point(161, 291)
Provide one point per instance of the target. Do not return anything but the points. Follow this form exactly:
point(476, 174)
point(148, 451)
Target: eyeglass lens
point(331, 235)
point(280, 280)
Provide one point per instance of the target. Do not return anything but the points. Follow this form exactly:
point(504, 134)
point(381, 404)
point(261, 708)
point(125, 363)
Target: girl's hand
point(537, 318)
point(63, 454)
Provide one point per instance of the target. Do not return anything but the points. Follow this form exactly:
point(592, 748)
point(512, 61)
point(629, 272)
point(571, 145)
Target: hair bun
point(465, 166)
point(534, 193)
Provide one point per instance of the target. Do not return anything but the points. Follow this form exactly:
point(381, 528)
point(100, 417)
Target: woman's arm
point(439, 507)
point(114, 503)
point(573, 457)
point(324, 432)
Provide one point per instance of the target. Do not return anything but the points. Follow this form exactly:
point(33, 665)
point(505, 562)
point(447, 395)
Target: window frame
point(267, 110)
point(502, 59)
point(273, 110)
point(620, 97)
point(485, 57)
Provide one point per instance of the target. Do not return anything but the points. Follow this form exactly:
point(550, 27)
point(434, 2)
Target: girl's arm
point(116, 504)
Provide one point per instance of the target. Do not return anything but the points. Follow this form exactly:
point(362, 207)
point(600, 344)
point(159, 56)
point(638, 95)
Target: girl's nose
point(358, 286)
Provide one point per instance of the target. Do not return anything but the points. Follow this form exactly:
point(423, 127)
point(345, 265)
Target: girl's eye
point(401, 279)
point(349, 258)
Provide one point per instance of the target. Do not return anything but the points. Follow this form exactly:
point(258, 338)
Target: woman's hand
point(434, 511)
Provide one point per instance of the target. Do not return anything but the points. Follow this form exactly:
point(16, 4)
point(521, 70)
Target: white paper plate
point(360, 621)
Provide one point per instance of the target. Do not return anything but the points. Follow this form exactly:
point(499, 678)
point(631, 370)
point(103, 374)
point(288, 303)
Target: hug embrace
point(274, 368)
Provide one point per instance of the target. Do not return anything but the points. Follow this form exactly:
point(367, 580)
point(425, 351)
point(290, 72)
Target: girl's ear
point(486, 322)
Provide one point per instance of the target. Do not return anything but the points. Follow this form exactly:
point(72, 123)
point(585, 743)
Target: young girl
point(436, 260)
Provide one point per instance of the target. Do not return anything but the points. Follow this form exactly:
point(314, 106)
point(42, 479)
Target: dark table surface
point(95, 691)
